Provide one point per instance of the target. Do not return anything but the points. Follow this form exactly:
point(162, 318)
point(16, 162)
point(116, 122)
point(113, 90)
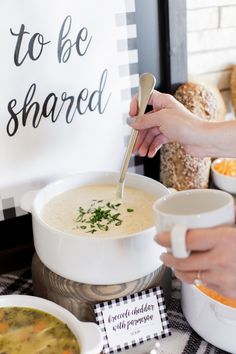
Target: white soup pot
point(94, 259)
point(88, 334)
point(212, 320)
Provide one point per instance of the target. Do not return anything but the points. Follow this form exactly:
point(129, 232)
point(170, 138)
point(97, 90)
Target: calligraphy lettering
point(65, 44)
point(35, 46)
point(53, 106)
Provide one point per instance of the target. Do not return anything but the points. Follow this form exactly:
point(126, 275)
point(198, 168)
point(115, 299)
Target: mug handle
point(178, 241)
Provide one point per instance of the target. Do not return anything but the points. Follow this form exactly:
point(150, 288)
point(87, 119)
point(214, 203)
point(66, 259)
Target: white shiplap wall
point(211, 39)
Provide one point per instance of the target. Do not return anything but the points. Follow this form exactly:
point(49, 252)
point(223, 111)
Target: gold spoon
point(146, 85)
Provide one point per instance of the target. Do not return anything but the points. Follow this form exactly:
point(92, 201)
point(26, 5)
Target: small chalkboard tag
point(131, 320)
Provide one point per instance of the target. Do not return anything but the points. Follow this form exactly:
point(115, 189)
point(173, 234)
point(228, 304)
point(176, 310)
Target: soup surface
point(214, 295)
point(29, 331)
point(95, 210)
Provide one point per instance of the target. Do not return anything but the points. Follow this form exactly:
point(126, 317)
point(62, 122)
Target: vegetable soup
point(26, 331)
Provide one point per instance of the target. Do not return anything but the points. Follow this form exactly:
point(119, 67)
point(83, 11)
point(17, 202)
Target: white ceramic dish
point(213, 321)
point(88, 334)
point(94, 259)
point(226, 183)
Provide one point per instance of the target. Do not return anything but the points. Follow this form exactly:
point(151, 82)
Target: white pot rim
point(90, 237)
point(205, 296)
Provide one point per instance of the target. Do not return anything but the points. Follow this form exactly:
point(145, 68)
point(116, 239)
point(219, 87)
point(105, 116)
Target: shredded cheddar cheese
point(226, 167)
point(214, 295)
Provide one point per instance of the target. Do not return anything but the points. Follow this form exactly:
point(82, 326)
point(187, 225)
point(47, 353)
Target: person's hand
point(168, 121)
point(213, 253)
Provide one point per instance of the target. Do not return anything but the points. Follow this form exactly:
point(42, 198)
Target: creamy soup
point(29, 331)
point(94, 210)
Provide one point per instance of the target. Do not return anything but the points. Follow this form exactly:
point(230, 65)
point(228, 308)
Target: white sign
point(64, 70)
point(133, 319)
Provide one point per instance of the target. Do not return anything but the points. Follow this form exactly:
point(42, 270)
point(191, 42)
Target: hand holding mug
point(207, 217)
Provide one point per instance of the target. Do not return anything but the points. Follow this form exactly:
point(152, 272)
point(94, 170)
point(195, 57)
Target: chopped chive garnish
point(99, 216)
point(91, 231)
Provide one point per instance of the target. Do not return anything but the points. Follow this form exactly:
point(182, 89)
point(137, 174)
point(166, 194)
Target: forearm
point(219, 138)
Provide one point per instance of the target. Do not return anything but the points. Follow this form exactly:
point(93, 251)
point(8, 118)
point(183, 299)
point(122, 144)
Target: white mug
point(195, 208)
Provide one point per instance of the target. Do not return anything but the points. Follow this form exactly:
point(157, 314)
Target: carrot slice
point(4, 326)
point(39, 326)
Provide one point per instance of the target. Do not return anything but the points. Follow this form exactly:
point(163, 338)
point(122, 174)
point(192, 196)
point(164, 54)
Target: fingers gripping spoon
point(146, 85)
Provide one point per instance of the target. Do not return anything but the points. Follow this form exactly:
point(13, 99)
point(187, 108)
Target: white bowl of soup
point(30, 324)
point(83, 233)
point(211, 315)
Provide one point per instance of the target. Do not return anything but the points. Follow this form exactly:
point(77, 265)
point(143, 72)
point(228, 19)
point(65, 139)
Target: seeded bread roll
point(178, 169)
point(233, 87)
point(221, 107)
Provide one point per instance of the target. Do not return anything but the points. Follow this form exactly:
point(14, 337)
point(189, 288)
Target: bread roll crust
point(221, 107)
point(178, 169)
point(198, 99)
point(233, 88)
